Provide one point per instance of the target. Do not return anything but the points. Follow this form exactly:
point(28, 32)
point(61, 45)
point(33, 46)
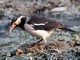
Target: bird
point(38, 26)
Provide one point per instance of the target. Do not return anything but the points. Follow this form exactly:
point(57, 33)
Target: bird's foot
point(37, 42)
point(47, 46)
point(33, 44)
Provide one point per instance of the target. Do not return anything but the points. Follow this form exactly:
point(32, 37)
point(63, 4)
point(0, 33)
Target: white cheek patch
point(18, 21)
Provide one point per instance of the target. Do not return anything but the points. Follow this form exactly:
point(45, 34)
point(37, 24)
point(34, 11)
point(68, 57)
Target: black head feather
point(23, 19)
point(14, 19)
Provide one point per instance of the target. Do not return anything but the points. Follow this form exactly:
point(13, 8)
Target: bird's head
point(17, 22)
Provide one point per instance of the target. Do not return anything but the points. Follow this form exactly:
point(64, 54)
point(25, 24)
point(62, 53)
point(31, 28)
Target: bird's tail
point(67, 29)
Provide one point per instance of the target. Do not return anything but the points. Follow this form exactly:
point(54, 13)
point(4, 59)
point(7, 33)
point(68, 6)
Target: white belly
point(41, 33)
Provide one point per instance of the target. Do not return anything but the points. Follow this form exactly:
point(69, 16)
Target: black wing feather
point(51, 24)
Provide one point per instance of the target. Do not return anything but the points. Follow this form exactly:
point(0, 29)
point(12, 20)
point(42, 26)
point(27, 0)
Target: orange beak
point(12, 27)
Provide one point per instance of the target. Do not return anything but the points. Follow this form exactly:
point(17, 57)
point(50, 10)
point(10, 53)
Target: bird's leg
point(37, 42)
point(46, 45)
point(45, 41)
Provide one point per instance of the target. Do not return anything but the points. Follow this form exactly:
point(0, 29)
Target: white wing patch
point(39, 24)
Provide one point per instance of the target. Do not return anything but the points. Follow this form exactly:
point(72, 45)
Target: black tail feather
point(67, 29)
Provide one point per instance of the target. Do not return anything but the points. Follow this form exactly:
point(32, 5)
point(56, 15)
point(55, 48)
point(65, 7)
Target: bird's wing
point(42, 23)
